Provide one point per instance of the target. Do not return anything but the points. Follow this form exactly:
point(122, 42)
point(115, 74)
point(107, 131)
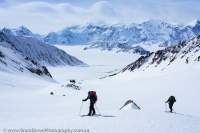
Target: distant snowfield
point(100, 63)
point(26, 103)
point(97, 57)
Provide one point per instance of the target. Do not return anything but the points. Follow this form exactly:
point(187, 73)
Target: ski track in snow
point(26, 102)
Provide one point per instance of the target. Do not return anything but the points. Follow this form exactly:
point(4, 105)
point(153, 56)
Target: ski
point(97, 115)
point(170, 112)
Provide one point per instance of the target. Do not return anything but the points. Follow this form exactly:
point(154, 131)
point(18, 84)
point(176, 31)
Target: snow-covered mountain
point(23, 53)
point(22, 31)
point(196, 27)
point(184, 53)
point(25, 32)
point(36, 50)
point(11, 61)
point(120, 35)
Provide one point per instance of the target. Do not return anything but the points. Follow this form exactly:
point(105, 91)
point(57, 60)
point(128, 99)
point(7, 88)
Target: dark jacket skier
point(171, 100)
point(93, 98)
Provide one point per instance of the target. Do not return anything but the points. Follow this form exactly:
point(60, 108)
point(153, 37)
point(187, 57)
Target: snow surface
point(29, 104)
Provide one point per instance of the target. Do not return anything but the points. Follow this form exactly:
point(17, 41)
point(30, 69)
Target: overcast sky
point(43, 16)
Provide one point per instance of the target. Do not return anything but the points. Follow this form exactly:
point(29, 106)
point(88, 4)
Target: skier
point(171, 100)
point(93, 98)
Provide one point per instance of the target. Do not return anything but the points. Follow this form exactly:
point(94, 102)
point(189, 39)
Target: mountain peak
point(23, 28)
point(194, 23)
point(6, 30)
point(22, 31)
point(197, 24)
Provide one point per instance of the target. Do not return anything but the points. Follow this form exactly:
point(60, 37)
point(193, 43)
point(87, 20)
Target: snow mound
point(129, 105)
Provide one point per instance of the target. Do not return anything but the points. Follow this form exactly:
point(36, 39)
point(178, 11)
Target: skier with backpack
point(171, 100)
point(93, 98)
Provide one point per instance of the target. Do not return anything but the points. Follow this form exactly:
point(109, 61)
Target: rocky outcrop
point(184, 52)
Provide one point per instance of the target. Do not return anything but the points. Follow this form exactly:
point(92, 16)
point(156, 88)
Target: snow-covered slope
point(181, 54)
point(13, 62)
point(36, 50)
point(153, 32)
point(29, 104)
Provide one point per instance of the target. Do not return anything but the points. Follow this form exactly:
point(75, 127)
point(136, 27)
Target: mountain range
point(134, 38)
point(172, 42)
point(123, 36)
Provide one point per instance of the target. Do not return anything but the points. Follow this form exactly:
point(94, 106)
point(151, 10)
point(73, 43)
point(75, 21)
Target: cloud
point(44, 16)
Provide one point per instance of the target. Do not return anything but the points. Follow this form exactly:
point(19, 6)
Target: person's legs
point(171, 107)
point(90, 109)
point(94, 112)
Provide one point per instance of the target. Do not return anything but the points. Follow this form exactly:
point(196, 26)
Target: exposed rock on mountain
point(184, 52)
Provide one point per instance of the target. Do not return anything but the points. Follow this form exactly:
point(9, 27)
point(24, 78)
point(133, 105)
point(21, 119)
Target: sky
point(43, 16)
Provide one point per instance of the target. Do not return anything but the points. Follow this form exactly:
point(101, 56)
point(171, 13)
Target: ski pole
point(80, 108)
